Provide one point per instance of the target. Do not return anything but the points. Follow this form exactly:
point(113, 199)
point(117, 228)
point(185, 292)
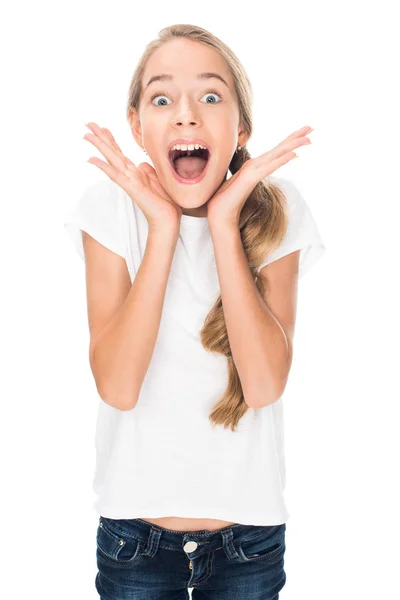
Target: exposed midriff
point(182, 524)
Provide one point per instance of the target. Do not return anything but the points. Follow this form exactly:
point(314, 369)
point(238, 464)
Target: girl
point(191, 293)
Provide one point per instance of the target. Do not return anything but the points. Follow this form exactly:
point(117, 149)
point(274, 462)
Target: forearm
point(258, 342)
point(123, 351)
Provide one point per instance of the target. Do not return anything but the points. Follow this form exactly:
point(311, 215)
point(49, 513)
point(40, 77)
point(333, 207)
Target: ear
point(135, 126)
point(243, 137)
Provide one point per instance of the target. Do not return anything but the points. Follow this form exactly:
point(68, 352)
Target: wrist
point(224, 228)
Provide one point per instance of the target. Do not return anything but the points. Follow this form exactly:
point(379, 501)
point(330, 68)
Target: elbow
point(120, 403)
point(116, 400)
point(124, 406)
point(264, 396)
point(267, 392)
point(262, 400)
point(109, 394)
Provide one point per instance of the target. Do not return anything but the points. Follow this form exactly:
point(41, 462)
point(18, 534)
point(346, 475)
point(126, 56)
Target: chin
point(191, 201)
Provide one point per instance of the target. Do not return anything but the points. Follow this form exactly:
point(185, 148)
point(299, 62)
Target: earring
point(144, 150)
point(238, 148)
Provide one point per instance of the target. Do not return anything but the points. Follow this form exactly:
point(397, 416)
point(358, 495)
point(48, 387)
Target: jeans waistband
point(154, 536)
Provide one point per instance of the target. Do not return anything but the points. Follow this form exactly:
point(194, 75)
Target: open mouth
point(189, 165)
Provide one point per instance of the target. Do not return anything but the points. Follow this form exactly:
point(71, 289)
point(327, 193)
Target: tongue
point(189, 167)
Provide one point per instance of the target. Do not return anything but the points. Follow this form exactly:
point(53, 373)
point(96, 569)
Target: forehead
point(185, 60)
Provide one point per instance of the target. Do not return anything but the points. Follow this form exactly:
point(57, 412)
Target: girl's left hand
point(225, 205)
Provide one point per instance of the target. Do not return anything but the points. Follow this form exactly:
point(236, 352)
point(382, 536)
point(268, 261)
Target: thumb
point(146, 168)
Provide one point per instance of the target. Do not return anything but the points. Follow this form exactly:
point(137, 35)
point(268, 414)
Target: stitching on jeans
point(122, 561)
point(180, 549)
point(182, 533)
point(118, 532)
point(267, 556)
point(259, 534)
point(209, 570)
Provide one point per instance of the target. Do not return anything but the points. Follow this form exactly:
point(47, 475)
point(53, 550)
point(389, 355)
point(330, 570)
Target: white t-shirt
point(163, 457)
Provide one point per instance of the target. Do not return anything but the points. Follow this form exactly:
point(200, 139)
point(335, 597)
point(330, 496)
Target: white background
point(331, 66)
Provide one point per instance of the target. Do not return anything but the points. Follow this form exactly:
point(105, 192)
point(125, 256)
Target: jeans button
point(190, 546)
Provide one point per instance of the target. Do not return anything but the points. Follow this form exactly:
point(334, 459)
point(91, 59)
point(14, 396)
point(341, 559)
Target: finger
point(114, 157)
point(299, 133)
point(99, 131)
point(259, 170)
point(106, 135)
point(123, 179)
point(152, 175)
point(112, 139)
point(279, 162)
point(105, 167)
point(148, 169)
point(291, 144)
point(281, 149)
point(150, 172)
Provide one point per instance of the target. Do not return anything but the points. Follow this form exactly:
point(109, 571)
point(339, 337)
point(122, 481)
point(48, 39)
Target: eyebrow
point(166, 77)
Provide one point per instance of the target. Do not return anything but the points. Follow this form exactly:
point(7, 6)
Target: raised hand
point(226, 204)
point(139, 182)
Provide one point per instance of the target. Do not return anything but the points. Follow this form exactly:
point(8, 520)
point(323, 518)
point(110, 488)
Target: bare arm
point(124, 318)
point(260, 330)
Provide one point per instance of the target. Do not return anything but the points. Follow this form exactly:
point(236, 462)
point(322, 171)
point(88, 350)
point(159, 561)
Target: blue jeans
point(137, 560)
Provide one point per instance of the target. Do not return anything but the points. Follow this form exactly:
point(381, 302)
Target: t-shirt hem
point(234, 516)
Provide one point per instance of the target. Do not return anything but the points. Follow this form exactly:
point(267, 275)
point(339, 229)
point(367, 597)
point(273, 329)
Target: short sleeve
point(99, 212)
point(302, 233)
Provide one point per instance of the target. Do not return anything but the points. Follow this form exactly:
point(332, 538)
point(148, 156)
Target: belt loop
point(152, 541)
point(228, 545)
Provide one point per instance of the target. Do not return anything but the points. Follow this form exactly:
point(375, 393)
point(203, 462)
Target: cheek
point(226, 137)
point(224, 122)
point(152, 132)
point(155, 151)
point(222, 160)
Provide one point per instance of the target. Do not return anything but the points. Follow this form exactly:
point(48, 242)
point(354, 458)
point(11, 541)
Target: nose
point(186, 115)
point(183, 122)
point(187, 118)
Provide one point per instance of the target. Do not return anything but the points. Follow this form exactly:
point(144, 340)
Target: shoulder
point(103, 196)
point(101, 211)
point(302, 232)
point(294, 199)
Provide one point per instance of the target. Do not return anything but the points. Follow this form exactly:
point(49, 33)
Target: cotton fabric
point(164, 457)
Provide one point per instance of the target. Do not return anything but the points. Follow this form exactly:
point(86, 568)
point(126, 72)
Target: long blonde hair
point(263, 219)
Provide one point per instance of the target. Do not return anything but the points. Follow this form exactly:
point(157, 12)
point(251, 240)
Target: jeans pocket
point(266, 545)
point(116, 547)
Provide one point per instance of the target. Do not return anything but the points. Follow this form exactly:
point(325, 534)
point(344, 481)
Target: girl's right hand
point(140, 183)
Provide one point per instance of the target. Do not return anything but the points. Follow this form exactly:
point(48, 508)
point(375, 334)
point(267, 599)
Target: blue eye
point(164, 95)
point(214, 94)
point(161, 95)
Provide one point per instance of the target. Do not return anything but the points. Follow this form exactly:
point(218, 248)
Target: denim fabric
point(137, 560)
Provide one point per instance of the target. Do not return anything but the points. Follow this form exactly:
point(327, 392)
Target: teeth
point(188, 147)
